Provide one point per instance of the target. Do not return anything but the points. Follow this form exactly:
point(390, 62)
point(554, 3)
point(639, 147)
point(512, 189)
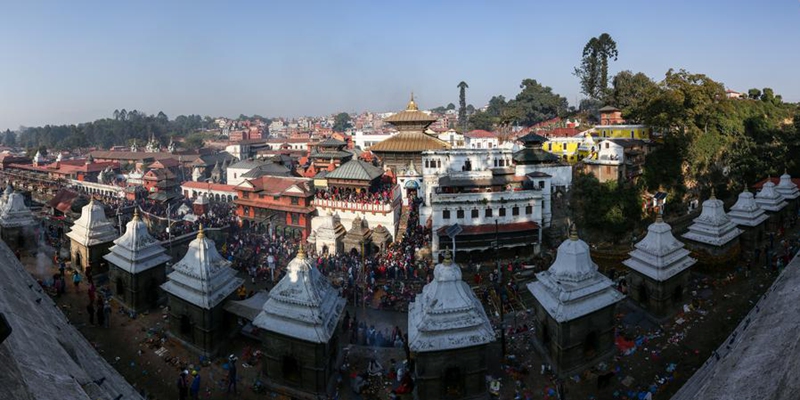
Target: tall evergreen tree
point(462, 105)
point(593, 72)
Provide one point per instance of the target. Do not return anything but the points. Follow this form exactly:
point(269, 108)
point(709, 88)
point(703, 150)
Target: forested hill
point(121, 129)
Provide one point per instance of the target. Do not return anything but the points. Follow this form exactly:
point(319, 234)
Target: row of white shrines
point(449, 333)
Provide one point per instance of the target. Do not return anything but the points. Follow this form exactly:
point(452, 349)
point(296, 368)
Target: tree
point(767, 95)
point(482, 120)
point(593, 72)
point(754, 94)
point(629, 93)
point(462, 104)
point(9, 138)
point(116, 114)
point(470, 109)
point(609, 207)
point(162, 117)
point(451, 106)
point(535, 103)
point(194, 141)
point(341, 122)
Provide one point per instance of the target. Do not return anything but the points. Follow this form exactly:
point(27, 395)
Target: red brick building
point(281, 204)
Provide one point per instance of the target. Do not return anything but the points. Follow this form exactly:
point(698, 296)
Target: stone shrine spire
point(746, 211)
point(202, 277)
point(769, 199)
point(659, 255)
point(786, 187)
point(447, 315)
point(92, 227)
point(713, 227)
point(573, 287)
point(136, 250)
point(303, 305)
point(15, 213)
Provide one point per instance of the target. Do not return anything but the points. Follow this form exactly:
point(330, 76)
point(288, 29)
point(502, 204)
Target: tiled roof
point(410, 116)
point(331, 142)
point(409, 142)
point(356, 170)
point(480, 133)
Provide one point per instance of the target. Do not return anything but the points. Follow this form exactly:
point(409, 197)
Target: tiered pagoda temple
point(407, 146)
point(197, 288)
point(773, 203)
point(659, 267)
point(300, 320)
point(574, 306)
point(90, 238)
point(137, 266)
point(749, 217)
point(449, 334)
point(713, 236)
point(17, 223)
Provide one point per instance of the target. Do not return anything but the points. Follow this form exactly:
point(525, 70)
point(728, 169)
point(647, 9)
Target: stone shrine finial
point(200, 233)
point(136, 214)
point(573, 232)
point(659, 217)
point(713, 193)
point(301, 252)
point(448, 258)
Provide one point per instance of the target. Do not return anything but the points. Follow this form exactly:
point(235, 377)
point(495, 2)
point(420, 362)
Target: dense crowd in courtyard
point(381, 194)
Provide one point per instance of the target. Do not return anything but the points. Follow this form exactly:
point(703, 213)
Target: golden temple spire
point(301, 252)
point(200, 233)
point(412, 106)
point(448, 259)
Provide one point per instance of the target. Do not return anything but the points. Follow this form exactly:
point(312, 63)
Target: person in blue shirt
point(194, 390)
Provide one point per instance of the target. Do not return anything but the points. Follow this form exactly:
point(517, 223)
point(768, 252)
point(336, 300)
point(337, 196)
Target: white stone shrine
point(300, 320)
point(659, 267)
point(713, 227)
point(91, 236)
point(575, 306)
point(197, 288)
point(746, 212)
point(769, 199)
point(328, 234)
point(448, 332)
point(17, 223)
point(137, 266)
point(787, 188)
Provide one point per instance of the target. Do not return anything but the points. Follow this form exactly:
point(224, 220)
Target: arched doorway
point(78, 261)
point(677, 294)
point(644, 294)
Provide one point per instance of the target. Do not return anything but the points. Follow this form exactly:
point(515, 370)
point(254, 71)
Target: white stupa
point(136, 251)
point(572, 287)
point(787, 188)
point(92, 228)
point(447, 315)
point(303, 305)
point(15, 213)
point(713, 227)
point(202, 277)
point(4, 197)
point(746, 211)
point(659, 255)
point(769, 199)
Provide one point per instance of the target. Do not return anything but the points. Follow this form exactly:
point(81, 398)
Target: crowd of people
point(378, 194)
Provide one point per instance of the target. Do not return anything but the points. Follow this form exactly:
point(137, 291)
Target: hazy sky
point(75, 61)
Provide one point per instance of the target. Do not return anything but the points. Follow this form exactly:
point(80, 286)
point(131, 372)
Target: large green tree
point(593, 71)
point(341, 122)
point(535, 103)
point(629, 92)
point(608, 207)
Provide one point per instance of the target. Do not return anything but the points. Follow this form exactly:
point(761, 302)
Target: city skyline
point(68, 64)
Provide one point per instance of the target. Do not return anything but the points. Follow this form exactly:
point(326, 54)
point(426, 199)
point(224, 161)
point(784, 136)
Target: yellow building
point(641, 132)
point(571, 149)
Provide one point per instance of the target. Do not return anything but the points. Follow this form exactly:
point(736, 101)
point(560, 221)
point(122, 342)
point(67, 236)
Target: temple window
point(459, 214)
point(528, 210)
point(502, 212)
point(475, 213)
point(488, 212)
point(446, 214)
point(515, 211)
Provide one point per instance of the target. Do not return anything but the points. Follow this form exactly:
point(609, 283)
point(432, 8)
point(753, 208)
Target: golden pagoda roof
point(411, 114)
point(410, 142)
